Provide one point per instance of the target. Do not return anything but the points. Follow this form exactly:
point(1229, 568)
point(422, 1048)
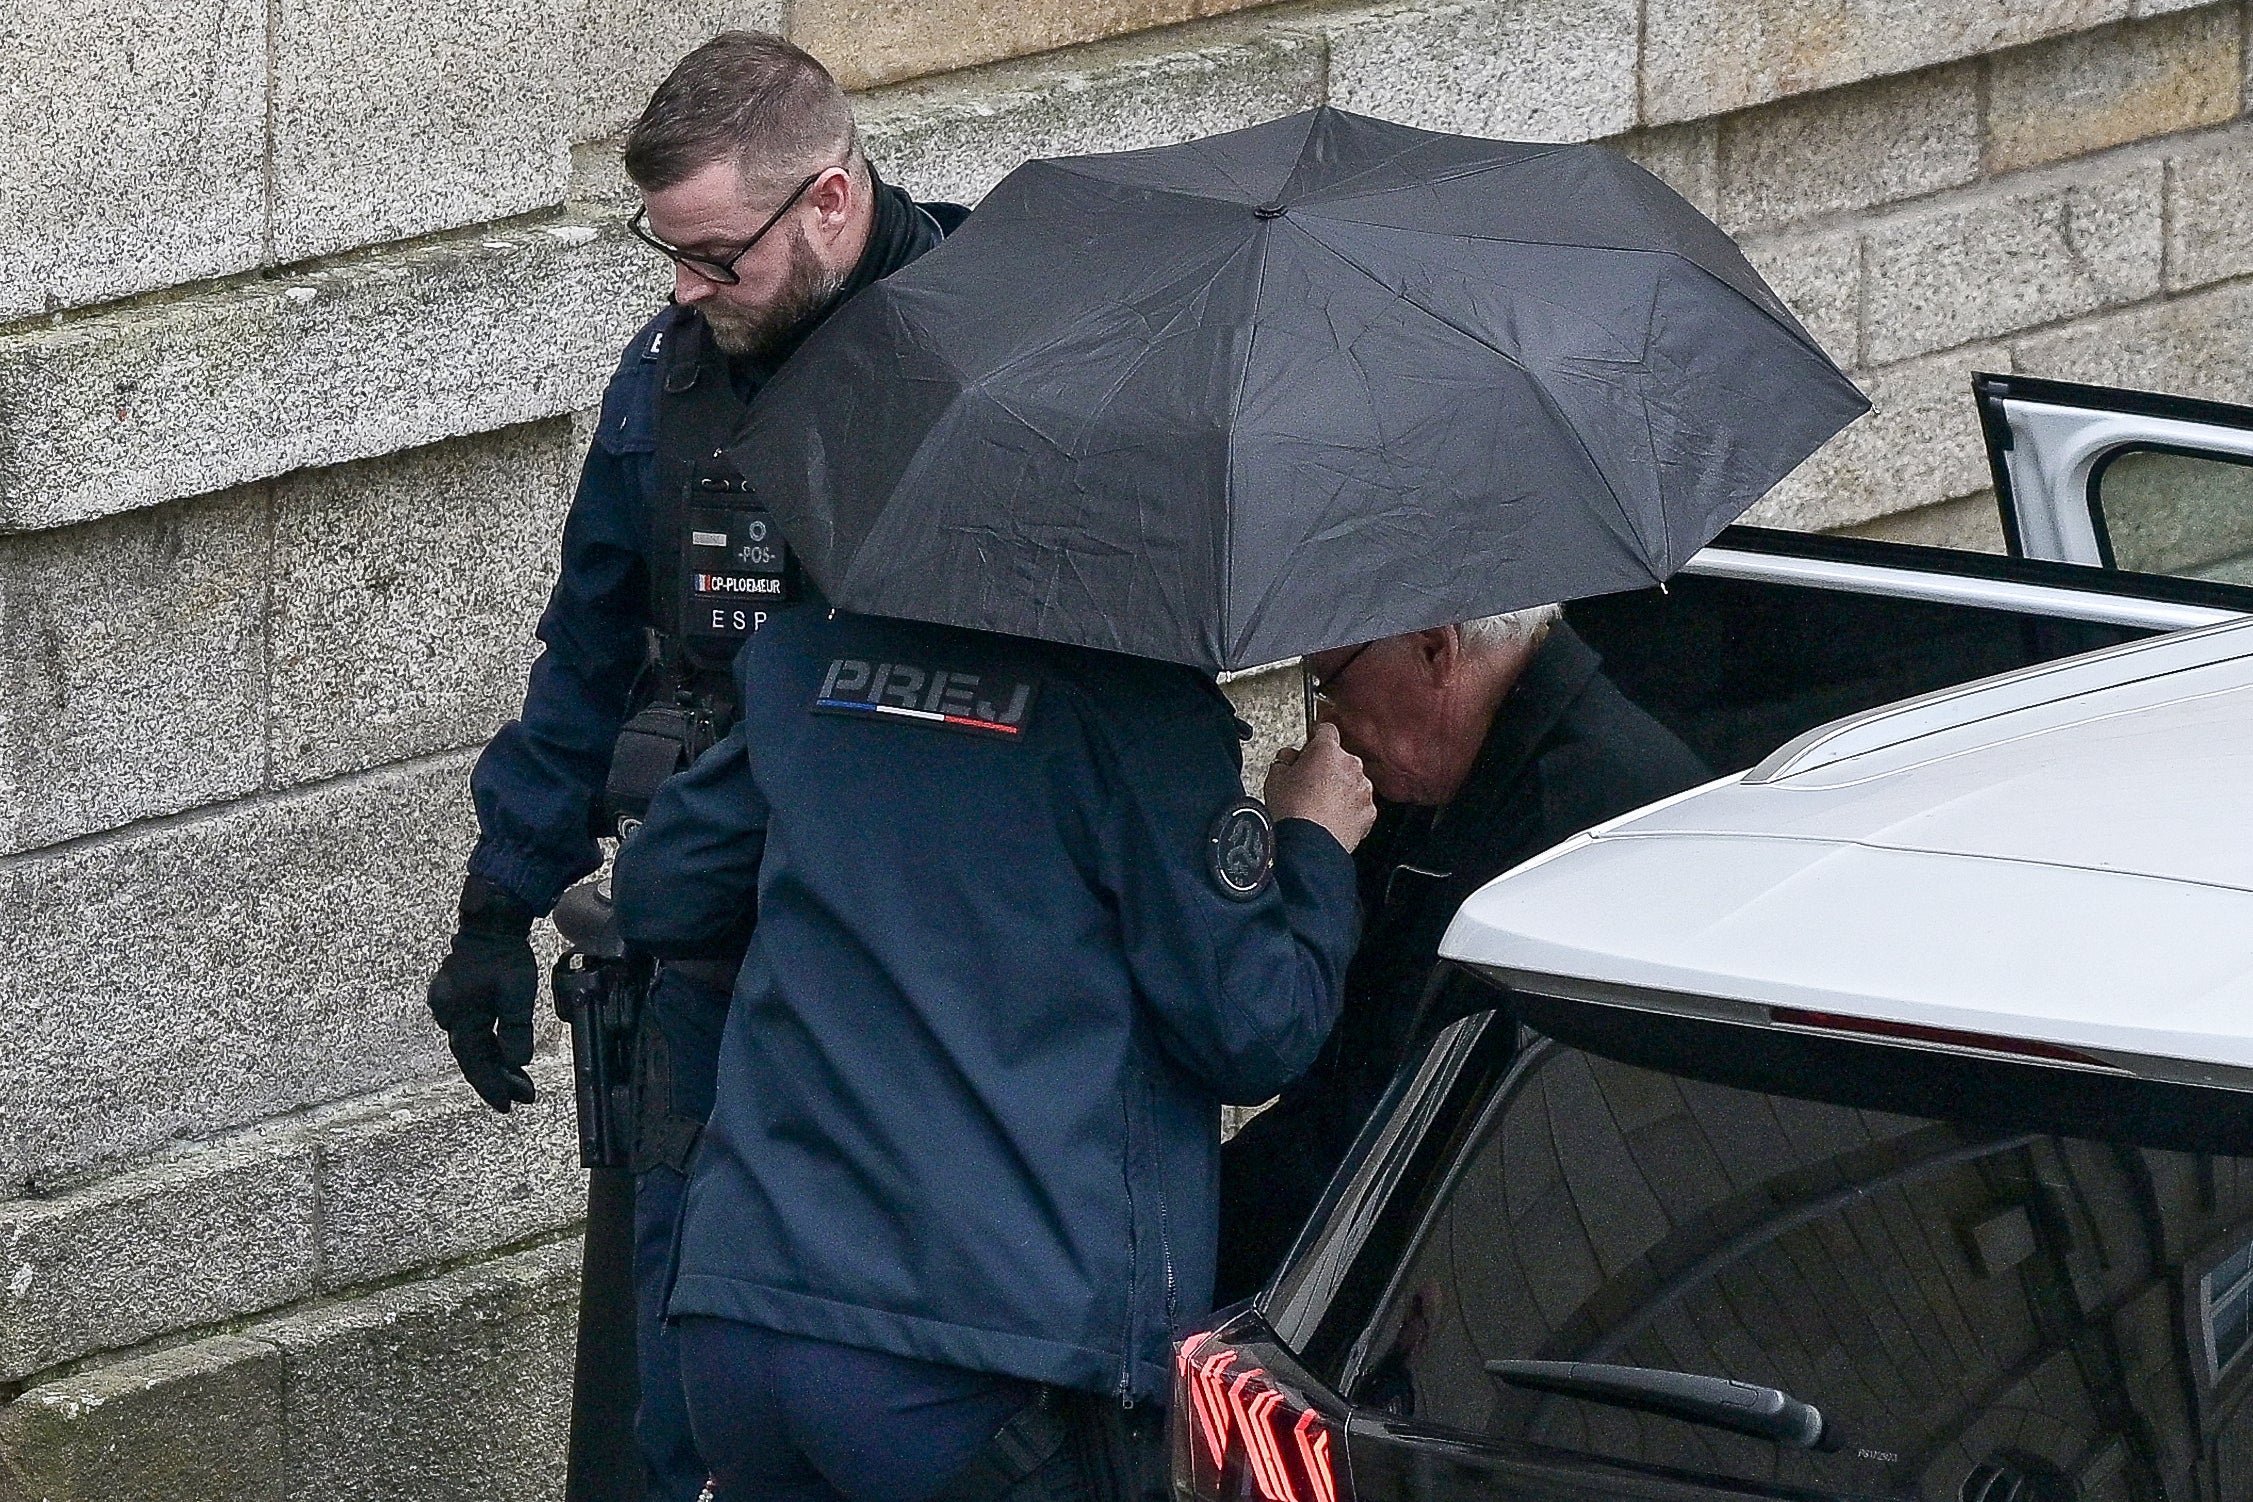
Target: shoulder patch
point(1240, 850)
point(628, 420)
point(976, 701)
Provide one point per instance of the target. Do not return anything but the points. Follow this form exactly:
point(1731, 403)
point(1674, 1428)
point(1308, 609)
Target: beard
point(806, 292)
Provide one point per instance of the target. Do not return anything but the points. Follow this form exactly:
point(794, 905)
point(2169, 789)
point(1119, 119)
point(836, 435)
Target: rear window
point(1977, 1315)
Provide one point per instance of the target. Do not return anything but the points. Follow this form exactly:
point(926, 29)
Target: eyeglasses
point(1323, 683)
point(706, 267)
point(1321, 686)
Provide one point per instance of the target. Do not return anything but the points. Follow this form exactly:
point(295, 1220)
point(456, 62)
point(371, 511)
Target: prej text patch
point(976, 701)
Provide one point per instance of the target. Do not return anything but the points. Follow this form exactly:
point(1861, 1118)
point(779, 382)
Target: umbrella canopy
point(1307, 384)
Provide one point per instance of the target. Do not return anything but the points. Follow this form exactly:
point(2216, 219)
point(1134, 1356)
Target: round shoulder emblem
point(1241, 849)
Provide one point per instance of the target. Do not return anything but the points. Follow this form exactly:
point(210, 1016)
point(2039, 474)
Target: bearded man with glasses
point(755, 186)
point(1487, 742)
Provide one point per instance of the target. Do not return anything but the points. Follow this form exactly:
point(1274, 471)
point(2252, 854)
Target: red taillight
point(1248, 1435)
point(1314, 1453)
point(1201, 1382)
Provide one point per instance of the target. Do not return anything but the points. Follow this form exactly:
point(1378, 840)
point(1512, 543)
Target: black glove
point(483, 993)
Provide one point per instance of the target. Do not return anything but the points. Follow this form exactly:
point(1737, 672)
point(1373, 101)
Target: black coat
point(1567, 750)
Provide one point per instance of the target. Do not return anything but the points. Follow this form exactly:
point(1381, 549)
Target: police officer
point(1015, 934)
point(754, 184)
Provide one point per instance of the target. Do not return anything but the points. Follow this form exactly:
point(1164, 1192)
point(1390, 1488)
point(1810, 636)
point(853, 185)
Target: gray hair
point(1494, 631)
point(750, 96)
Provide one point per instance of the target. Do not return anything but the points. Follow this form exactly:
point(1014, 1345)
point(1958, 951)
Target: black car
point(1545, 1243)
point(1640, 1232)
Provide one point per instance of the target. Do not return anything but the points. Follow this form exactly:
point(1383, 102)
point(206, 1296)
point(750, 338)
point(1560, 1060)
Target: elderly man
point(755, 187)
point(1487, 742)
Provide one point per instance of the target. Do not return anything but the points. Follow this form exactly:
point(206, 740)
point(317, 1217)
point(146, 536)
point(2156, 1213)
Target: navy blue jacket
point(969, 1087)
point(539, 784)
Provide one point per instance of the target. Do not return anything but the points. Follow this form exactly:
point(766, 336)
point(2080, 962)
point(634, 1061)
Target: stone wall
point(302, 307)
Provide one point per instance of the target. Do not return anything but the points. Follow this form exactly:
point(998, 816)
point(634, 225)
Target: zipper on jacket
point(1165, 1219)
point(1126, 1176)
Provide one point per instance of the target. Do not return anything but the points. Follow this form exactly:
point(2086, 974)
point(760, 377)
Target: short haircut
point(1491, 631)
point(747, 96)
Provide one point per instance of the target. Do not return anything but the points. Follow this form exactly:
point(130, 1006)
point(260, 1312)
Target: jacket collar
point(902, 230)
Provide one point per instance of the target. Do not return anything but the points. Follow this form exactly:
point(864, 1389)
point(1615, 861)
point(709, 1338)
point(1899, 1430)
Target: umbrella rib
point(1504, 355)
point(1666, 538)
point(1228, 467)
point(1034, 351)
point(1789, 323)
point(1799, 335)
point(1079, 166)
point(1330, 193)
point(1425, 139)
point(1183, 313)
point(1064, 165)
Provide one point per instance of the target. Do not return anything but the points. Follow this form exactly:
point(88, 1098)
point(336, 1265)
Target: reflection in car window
point(2189, 515)
point(1969, 1312)
point(2228, 1298)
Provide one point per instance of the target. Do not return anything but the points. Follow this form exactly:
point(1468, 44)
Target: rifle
point(599, 990)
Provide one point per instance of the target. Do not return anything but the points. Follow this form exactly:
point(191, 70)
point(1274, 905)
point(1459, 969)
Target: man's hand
point(1322, 781)
point(483, 993)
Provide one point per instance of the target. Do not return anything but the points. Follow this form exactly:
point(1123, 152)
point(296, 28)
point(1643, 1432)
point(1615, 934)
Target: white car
point(2051, 869)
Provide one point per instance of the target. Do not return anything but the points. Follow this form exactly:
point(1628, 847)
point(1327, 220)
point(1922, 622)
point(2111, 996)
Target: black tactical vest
point(718, 570)
point(719, 565)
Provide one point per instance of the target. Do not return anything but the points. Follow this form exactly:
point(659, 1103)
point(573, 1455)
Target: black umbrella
point(1306, 384)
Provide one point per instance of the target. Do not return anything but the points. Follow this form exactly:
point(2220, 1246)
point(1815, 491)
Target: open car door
point(2120, 479)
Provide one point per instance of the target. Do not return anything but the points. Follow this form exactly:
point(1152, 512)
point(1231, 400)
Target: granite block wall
point(303, 307)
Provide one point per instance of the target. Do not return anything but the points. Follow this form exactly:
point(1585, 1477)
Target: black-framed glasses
point(1323, 683)
point(706, 267)
point(1319, 686)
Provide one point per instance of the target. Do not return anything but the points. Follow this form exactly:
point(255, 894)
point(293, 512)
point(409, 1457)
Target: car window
point(2168, 512)
point(2226, 1310)
point(1977, 1316)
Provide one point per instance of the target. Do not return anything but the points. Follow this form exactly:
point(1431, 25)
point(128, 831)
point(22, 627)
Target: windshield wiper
point(1762, 1412)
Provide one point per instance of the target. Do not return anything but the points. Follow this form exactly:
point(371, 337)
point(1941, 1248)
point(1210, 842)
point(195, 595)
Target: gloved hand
point(483, 993)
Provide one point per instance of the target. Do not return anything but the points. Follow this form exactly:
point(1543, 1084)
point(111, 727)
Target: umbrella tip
point(1269, 211)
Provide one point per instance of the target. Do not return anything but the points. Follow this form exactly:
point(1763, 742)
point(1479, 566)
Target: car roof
point(2061, 857)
